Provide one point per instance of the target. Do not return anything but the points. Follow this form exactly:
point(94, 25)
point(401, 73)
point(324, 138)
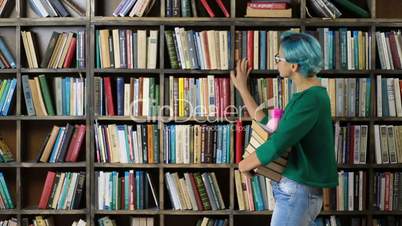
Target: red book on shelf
point(207, 8)
point(250, 48)
point(223, 8)
point(204, 40)
point(70, 53)
point(109, 96)
point(47, 188)
point(76, 142)
point(239, 140)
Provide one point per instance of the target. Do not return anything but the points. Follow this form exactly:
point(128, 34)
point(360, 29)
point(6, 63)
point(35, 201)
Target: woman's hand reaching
point(240, 78)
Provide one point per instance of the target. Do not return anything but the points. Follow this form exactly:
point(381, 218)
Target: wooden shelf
point(53, 165)
point(125, 165)
point(52, 212)
point(128, 212)
point(52, 70)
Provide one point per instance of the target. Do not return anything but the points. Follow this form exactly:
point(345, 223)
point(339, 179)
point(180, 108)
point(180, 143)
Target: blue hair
point(304, 50)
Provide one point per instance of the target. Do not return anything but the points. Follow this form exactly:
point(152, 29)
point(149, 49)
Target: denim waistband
point(310, 189)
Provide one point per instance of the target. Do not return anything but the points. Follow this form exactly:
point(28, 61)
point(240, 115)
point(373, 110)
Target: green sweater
point(306, 126)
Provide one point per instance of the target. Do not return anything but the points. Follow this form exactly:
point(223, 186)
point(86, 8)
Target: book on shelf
point(73, 6)
point(186, 97)
point(63, 144)
point(66, 98)
point(126, 48)
point(353, 8)
point(47, 221)
point(195, 144)
point(62, 190)
point(7, 90)
point(279, 8)
point(7, 60)
point(128, 190)
point(127, 143)
point(64, 50)
point(6, 202)
point(387, 220)
point(351, 144)
point(194, 8)
point(6, 7)
point(10, 222)
point(133, 8)
point(205, 221)
point(255, 193)
point(195, 191)
point(349, 195)
point(134, 221)
point(48, 8)
point(136, 97)
point(388, 144)
point(323, 8)
point(5, 153)
point(388, 94)
point(206, 50)
point(387, 189)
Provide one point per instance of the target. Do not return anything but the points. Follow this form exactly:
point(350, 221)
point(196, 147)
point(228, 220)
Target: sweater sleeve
point(298, 121)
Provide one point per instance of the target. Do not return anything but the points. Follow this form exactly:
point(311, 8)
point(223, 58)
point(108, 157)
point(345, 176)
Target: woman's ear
point(294, 67)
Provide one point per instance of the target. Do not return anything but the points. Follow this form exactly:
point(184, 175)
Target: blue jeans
point(295, 204)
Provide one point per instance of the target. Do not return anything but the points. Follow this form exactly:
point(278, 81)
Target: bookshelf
point(24, 134)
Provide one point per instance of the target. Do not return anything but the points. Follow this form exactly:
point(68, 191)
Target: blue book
point(344, 50)
point(9, 98)
point(228, 141)
point(67, 96)
point(224, 144)
point(197, 50)
point(98, 54)
point(126, 190)
point(6, 52)
point(263, 50)
point(367, 107)
point(4, 188)
point(258, 203)
point(56, 146)
point(64, 191)
point(27, 95)
point(385, 104)
point(120, 95)
point(356, 49)
point(219, 150)
point(2, 66)
point(244, 44)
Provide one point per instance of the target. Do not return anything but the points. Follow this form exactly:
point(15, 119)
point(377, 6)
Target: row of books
point(389, 102)
point(127, 143)
point(344, 49)
point(62, 50)
point(349, 195)
point(192, 8)
point(338, 221)
point(259, 47)
point(10, 222)
point(5, 152)
point(197, 96)
point(389, 46)
point(188, 49)
point(205, 221)
point(7, 93)
point(125, 48)
point(387, 189)
point(277, 8)
point(387, 221)
point(47, 221)
point(190, 144)
point(388, 144)
point(194, 191)
point(6, 201)
point(6, 58)
point(136, 97)
point(253, 194)
point(62, 144)
point(68, 92)
point(351, 144)
point(62, 190)
point(48, 8)
point(133, 8)
point(129, 190)
point(134, 221)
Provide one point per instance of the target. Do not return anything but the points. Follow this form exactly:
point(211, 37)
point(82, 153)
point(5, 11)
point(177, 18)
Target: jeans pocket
point(287, 186)
point(314, 205)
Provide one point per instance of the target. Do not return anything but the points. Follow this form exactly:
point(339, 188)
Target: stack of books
point(269, 8)
point(275, 168)
point(133, 8)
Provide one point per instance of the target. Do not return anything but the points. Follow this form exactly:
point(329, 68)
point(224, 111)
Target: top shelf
point(102, 10)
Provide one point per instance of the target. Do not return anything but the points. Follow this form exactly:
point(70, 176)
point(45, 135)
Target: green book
point(63, 196)
point(5, 193)
point(46, 95)
point(352, 7)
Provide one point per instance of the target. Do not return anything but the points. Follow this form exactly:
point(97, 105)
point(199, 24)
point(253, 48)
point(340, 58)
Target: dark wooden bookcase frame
point(22, 132)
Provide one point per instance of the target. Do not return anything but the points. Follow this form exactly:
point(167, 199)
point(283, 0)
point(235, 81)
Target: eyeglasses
point(277, 59)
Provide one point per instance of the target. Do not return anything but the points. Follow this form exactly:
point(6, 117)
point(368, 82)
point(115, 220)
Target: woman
point(306, 127)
